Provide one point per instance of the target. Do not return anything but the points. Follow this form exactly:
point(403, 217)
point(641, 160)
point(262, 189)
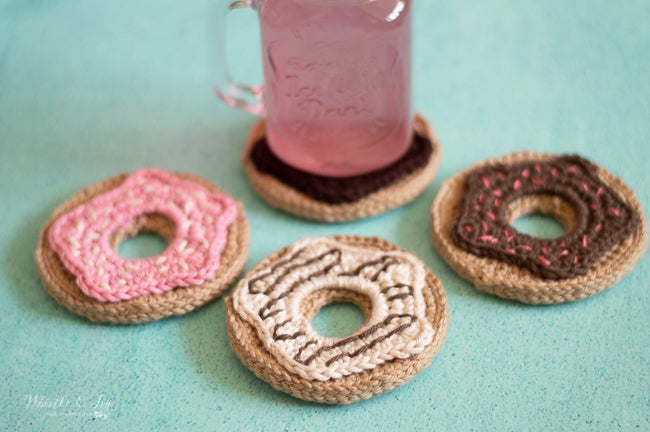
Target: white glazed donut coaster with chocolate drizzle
point(269, 318)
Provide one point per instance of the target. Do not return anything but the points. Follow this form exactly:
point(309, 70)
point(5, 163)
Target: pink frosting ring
point(81, 238)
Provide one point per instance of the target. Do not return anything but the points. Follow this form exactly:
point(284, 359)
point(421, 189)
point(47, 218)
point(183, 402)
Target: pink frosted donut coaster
point(206, 232)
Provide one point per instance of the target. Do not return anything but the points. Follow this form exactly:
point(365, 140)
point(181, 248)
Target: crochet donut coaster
point(206, 232)
point(270, 311)
point(333, 199)
point(606, 232)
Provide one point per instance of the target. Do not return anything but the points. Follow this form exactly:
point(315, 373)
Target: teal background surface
point(92, 88)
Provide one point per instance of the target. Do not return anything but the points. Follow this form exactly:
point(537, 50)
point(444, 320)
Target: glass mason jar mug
point(337, 82)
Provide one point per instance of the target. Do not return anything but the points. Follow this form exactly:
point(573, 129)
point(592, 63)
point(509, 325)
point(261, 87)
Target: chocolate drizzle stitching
point(358, 344)
point(603, 218)
point(335, 190)
point(366, 345)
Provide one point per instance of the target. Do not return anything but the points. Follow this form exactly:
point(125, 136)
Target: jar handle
point(235, 94)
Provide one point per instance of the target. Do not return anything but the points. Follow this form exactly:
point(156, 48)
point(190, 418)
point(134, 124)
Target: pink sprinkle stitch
point(553, 172)
point(584, 241)
point(517, 184)
point(490, 239)
point(525, 174)
point(505, 231)
point(511, 251)
point(562, 245)
point(585, 186)
point(481, 198)
point(615, 211)
point(468, 228)
point(510, 239)
point(594, 207)
point(564, 253)
point(486, 181)
point(497, 202)
point(477, 207)
point(598, 228)
point(485, 225)
point(538, 168)
point(544, 260)
point(575, 260)
point(600, 191)
point(544, 251)
point(113, 278)
point(491, 215)
point(497, 192)
point(528, 248)
point(572, 169)
point(538, 182)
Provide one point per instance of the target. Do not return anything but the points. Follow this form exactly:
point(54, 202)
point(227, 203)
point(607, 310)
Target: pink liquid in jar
point(337, 79)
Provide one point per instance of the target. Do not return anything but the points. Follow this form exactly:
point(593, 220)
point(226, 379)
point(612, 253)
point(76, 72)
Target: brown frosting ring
point(338, 190)
point(601, 218)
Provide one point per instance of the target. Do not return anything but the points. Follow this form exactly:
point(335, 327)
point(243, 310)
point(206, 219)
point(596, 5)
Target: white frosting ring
point(270, 301)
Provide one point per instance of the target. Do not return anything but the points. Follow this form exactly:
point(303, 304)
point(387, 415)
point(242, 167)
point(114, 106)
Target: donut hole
point(542, 216)
point(336, 312)
point(145, 236)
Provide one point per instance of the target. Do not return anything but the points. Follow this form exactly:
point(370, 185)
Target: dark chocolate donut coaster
point(606, 233)
point(333, 199)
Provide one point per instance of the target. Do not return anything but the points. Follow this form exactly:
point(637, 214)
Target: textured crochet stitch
point(602, 219)
point(338, 190)
point(81, 237)
point(270, 300)
point(342, 199)
point(472, 215)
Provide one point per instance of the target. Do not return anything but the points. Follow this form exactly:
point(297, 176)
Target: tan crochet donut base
point(281, 196)
point(61, 285)
point(508, 281)
point(250, 349)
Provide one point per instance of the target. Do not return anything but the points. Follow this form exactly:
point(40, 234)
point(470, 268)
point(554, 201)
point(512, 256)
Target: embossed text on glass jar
point(337, 82)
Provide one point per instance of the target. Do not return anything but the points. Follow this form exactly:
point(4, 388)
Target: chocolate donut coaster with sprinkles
point(206, 232)
point(331, 199)
point(606, 232)
point(270, 311)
